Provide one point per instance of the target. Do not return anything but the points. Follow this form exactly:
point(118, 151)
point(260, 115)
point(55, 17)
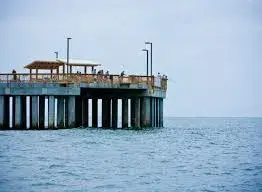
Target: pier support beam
point(106, 109)
point(13, 112)
point(34, 112)
point(78, 111)
point(41, 112)
point(60, 112)
point(145, 112)
point(135, 112)
point(114, 113)
point(161, 112)
point(17, 112)
point(51, 112)
point(85, 111)
point(66, 112)
point(4, 112)
point(23, 108)
point(124, 113)
point(152, 111)
point(94, 112)
point(71, 111)
point(157, 112)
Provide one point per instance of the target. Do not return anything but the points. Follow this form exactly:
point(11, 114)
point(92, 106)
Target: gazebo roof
point(44, 64)
point(78, 62)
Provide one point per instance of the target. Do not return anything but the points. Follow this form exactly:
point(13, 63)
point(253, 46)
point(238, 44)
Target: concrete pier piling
point(152, 112)
point(60, 112)
point(94, 112)
point(71, 112)
point(51, 112)
point(106, 110)
point(114, 112)
point(157, 112)
point(124, 113)
point(42, 112)
point(4, 112)
point(68, 97)
point(23, 112)
point(78, 111)
point(145, 115)
point(34, 112)
point(85, 111)
point(135, 112)
point(17, 114)
point(161, 112)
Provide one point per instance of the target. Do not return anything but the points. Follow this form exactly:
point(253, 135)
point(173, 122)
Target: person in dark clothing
point(14, 74)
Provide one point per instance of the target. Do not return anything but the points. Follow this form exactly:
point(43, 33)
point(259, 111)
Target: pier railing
point(151, 81)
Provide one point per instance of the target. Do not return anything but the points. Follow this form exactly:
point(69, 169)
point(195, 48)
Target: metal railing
point(151, 81)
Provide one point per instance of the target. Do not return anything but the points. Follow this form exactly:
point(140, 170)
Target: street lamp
point(67, 58)
point(146, 60)
point(56, 54)
point(151, 55)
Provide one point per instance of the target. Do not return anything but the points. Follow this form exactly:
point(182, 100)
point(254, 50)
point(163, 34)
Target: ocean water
point(188, 154)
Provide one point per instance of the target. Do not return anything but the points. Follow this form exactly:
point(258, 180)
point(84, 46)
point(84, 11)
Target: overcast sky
point(211, 50)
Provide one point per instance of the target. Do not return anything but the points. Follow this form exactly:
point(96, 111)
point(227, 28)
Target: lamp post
point(56, 54)
point(151, 55)
point(146, 61)
point(67, 58)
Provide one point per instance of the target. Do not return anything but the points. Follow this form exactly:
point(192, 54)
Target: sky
point(210, 50)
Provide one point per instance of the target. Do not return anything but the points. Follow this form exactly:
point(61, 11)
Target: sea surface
point(188, 154)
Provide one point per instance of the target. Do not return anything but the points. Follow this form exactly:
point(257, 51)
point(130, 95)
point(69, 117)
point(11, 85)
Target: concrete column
point(124, 113)
point(71, 111)
point(133, 112)
point(13, 112)
point(30, 112)
point(23, 108)
point(66, 112)
point(114, 113)
point(34, 112)
point(51, 112)
point(137, 112)
point(94, 112)
point(85, 111)
point(152, 111)
point(60, 112)
point(161, 112)
point(18, 112)
point(157, 112)
point(78, 111)
point(106, 109)
point(145, 112)
point(41, 112)
point(4, 112)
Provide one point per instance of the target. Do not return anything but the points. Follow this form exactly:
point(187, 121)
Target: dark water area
point(189, 154)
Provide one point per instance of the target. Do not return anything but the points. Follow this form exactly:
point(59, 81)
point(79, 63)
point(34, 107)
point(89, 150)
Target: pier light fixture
point(146, 50)
point(67, 58)
point(56, 54)
point(151, 55)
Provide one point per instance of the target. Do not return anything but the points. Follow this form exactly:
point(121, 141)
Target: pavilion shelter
point(37, 65)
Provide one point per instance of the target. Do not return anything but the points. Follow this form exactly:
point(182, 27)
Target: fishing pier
point(69, 100)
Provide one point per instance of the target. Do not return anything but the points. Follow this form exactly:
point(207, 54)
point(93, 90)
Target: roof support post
point(30, 71)
point(36, 71)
